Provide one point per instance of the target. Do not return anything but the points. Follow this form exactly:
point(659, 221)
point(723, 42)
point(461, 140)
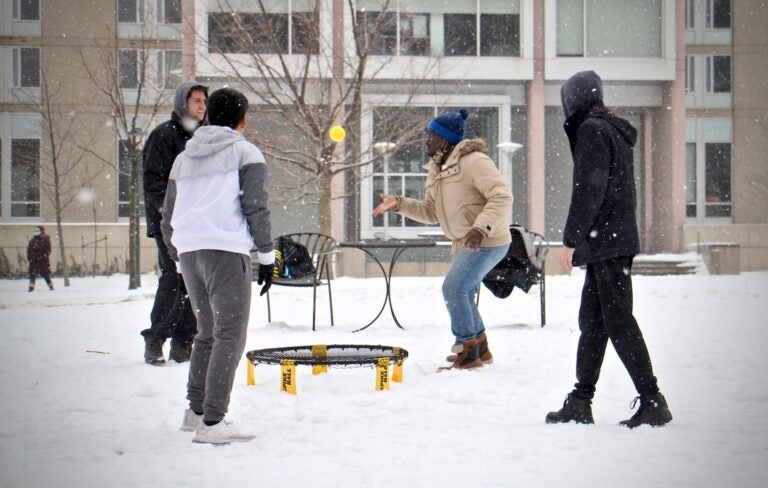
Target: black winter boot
point(574, 409)
point(653, 411)
point(181, 351)
point(153, 350)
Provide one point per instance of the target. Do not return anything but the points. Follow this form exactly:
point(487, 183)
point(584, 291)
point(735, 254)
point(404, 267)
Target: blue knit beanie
point(450, 126)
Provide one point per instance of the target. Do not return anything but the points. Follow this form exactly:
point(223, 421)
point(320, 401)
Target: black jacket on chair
point(601, 220)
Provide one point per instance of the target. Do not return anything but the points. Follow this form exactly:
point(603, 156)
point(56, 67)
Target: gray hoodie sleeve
point(165, 223)
point(253, 187)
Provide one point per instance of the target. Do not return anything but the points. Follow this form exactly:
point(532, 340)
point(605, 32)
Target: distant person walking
point(601, 233)
point(38, 251)
point(171, 315)
point(470, 199)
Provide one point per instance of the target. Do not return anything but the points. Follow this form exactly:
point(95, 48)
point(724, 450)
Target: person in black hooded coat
point(171, 315)
point(38, 252)
point(601, 233)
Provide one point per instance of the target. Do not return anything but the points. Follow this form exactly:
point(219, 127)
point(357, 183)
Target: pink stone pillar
point(668, 189)
point(188, 36)
point(338, 201)
point(535, 161)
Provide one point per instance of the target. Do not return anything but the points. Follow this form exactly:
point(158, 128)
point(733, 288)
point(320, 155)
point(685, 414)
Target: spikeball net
point(321, 357)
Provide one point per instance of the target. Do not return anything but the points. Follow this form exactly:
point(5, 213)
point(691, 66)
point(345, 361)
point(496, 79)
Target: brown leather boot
point(485, 354)
point(469, 357)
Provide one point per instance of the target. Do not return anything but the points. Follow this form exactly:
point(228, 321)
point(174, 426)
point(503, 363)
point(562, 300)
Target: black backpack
point(297, 263)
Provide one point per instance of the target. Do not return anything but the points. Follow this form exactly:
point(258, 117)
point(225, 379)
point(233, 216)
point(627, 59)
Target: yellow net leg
point(250, 377)
point(382, 374)
point(319, 351)
point(397, 369)
point(288, 376)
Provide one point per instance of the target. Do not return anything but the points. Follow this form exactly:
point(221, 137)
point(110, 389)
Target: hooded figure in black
point(601, 233)
point(171, 315)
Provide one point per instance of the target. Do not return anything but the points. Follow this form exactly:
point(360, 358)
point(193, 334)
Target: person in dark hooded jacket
point(601, 233)
point(38, 250)
point(171, 315)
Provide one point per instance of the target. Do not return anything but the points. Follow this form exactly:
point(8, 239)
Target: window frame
point(139, 13)
point(17, 71)
point(17, 14)
point(699, 136)
point(368, 196)
point(709, 74)
point(14, 202)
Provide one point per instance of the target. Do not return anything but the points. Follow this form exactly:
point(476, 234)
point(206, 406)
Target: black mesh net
point(330, 355)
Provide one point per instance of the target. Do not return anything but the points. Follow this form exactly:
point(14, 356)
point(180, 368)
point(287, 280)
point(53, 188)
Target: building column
point(188, 36)
point(668, 184)
point(536, 141)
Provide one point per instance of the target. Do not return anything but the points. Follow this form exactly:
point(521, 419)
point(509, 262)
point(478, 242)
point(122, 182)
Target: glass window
point(247, 33)
point(570, 27)
point(129, 68)
point(718, 14)
point(26, 9)
point(305, 27)
point(25, 177)
point(169, 11)
point(26, 67)
point(718, 74)
point(690, 74)
point(414, 34)
point(378, 31)
point(717, 183)
point(169, 69)
point(690, 179)
point(124, 182)
point(690, 14)
point(400, 171)
point(130, 11)
point(613, 29)
point(499, 35)
point(460, 34)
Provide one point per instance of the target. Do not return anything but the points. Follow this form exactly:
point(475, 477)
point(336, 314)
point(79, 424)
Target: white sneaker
point(191, 421)
point(222, 433)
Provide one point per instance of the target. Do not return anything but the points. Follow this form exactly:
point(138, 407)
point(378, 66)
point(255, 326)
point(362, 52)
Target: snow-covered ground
point(79, 408)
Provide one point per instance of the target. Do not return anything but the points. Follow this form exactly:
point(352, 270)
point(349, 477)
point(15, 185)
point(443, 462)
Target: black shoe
point(180, 351)
point(574, 409)
point(653, 411)
point(153, 350)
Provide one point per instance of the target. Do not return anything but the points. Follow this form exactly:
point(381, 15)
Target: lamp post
point(384, 149)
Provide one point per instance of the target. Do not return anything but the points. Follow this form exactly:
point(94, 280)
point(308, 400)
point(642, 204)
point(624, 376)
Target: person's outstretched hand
point(388, 202)
point(473, 239)
point(265, 277)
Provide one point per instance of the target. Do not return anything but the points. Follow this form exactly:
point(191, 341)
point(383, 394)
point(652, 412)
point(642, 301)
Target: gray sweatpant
point(219, 286)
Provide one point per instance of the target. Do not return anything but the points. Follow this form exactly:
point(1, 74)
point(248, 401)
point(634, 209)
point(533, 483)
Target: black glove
point(265, 277)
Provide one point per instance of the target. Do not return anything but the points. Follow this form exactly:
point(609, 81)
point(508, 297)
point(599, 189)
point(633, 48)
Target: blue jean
point(468, 268)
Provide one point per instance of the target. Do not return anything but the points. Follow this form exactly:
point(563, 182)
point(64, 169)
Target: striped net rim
point(328, 355)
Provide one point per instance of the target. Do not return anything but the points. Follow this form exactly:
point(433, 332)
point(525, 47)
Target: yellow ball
point(337, 133)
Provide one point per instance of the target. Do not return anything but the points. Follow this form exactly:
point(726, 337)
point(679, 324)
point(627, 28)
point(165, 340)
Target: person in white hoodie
point(215, 212)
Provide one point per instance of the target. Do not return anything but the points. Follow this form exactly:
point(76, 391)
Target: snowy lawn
point(81, 409)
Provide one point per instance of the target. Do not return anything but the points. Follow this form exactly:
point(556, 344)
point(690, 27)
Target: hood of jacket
point(211, 139)
point(624, 128)
point(467, 146)
point(181, 96)
point(581, 92)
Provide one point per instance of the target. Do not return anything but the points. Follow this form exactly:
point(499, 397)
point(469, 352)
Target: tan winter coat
point(468, 193)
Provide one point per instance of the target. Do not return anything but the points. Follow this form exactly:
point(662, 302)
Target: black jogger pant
point(606, 313)
point(171, 315)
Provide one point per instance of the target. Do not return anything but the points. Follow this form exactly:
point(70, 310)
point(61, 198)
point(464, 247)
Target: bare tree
point(66, 171)
point(311, 85)
point(122, 75)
